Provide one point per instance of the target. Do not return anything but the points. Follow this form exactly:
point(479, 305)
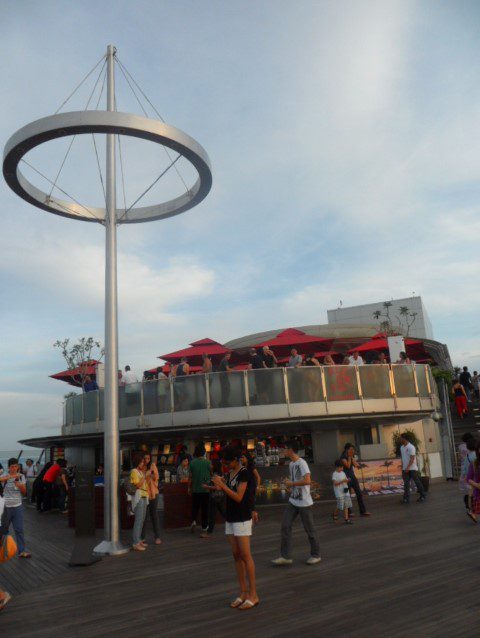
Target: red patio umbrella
point(294, 338)
point(74, 376)
point(194, 353)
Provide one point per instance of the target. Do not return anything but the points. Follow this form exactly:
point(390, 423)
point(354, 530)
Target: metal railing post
point(285, 387)
point(207, 389)
point(172, 395)
point(245, 387)
point(414, 369)
point(324, 386)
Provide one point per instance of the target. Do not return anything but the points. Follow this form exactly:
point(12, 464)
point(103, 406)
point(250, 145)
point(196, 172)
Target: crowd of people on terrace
point(258, 360)
point(226, 484)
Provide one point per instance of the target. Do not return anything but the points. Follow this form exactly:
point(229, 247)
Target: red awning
point(74, 376)
point(194, 353)
point(381, 343)
point(294, 338)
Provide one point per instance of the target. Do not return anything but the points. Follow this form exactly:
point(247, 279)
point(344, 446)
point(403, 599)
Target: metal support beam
point(111, 544)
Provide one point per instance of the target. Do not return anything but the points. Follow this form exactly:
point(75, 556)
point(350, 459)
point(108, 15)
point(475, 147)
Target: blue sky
point(344, 143)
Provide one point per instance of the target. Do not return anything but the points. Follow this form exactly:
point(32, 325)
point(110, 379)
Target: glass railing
point(275, 386)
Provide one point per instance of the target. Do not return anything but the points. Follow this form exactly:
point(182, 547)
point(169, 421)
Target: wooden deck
point(408, 570)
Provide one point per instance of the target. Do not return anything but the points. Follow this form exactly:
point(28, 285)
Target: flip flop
point(5, 600)
point(471, 516)
point(237, 602)
point(25, 555)
point(247, 604)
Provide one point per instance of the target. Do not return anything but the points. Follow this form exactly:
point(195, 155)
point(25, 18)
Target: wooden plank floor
point(408, 570)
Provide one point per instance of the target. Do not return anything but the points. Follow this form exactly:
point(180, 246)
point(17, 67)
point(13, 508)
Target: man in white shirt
point(410, 470)
point(129, 377)
point(300, 503)
point(356, 359)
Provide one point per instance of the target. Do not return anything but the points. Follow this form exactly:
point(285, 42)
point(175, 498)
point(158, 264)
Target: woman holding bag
point(138, 478)
point(152, 507)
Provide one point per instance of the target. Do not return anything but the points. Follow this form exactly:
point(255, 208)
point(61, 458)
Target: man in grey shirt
point(295, 360)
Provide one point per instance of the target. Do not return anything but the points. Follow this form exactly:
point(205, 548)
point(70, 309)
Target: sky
point(343, 138)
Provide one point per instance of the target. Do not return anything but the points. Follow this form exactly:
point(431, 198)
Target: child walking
point(342, 493)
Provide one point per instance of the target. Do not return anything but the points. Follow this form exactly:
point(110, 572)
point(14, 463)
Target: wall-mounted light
point(166, 448)
point(251, 444)
point(208, 446)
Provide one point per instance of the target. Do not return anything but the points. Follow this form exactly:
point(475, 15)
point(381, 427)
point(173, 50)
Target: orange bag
point(8, 548)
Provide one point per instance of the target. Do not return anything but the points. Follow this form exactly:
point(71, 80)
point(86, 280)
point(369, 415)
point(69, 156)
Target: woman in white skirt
point(238, 526)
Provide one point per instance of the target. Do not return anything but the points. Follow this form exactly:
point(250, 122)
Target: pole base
point(111, 548)
point(82, 553)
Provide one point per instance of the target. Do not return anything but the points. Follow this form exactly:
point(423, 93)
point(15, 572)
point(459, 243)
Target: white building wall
point(422, 328)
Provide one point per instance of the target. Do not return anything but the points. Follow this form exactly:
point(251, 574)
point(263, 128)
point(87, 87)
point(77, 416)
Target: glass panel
point(131, 399)
point(420, 371)
point(101, 405)
point(266, 386)
point(227, 389)
point(341, 382)
point(69, 411)
point(156, 396)
point(404, 383)
point(375, 381)
point(77, 408)
point(90, 406)
point(305, 384)
point(189, 392)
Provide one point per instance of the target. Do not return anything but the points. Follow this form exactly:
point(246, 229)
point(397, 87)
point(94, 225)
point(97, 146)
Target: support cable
point(73, 138)
point(153, 183)
point(95, 144)
point(125, 71)
point(121, 166)
point(79, 85)
point(62, 191)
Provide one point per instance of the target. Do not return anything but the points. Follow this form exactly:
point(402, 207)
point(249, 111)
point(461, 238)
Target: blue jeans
point(14, 515)
point(140, 512)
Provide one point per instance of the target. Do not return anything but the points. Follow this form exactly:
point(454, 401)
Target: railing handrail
point(357, 385)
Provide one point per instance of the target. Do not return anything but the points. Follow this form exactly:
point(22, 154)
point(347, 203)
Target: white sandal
point(247, 604)
point(237, 602)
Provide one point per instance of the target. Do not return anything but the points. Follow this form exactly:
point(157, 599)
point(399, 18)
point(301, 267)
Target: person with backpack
point(138, 489)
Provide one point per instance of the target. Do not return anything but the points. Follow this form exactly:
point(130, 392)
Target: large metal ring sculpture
point(81, 122)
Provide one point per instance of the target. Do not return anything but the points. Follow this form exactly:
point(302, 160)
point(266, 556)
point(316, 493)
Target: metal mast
point(111, 544)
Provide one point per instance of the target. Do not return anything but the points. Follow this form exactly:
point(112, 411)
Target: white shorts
point(239, 529)
point(344, 501)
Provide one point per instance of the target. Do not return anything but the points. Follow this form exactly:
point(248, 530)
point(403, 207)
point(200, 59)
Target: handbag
point(8, 548)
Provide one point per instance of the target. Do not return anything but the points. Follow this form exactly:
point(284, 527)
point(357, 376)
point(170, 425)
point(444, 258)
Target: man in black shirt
point(260, 378)
point(466, 381)
point(225, 369)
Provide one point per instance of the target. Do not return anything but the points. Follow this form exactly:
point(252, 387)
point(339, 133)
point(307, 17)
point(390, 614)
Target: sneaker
point(282, 561)
point(192, 527)
point(348, 522)
point(420, 499)
point(404, 501)
point(313, 560)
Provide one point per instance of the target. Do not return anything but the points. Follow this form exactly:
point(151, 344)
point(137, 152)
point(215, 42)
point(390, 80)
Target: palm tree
point(386, 465)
